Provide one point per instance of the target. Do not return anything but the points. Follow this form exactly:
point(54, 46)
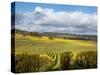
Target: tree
point(50, 37)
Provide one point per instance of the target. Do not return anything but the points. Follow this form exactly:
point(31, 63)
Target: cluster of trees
point(82, 38)
point(60, 35)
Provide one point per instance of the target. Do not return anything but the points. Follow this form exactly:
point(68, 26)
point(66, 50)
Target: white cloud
point(47, 20)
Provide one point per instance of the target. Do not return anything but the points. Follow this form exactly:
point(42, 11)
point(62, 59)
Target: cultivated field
point(36, 54)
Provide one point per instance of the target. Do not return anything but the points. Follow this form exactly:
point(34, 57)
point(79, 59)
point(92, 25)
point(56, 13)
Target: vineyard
point(34, 54)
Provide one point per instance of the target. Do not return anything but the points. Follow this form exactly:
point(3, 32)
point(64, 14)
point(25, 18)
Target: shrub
point(32, 63)
point(82, 60)
point(27, 63)
point(66, 60)
point(85, 60)
point(45, 62)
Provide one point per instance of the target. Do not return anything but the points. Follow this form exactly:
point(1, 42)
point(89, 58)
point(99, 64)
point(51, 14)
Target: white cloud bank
point(47, 20)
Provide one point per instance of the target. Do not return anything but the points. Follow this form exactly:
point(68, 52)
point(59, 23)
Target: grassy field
point(34, 54)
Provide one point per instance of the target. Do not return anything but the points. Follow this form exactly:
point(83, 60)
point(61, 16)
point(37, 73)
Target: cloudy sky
point(40, 17)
